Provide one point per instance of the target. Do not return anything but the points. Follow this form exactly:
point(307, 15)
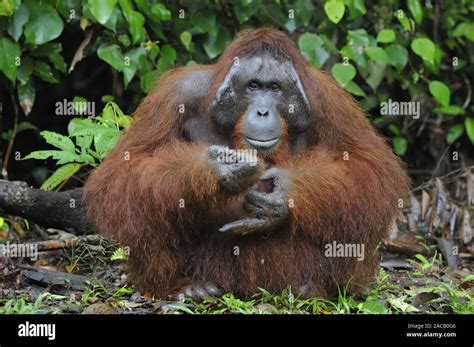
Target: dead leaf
point(425, 204)
point(79, 55)
point(466, 227)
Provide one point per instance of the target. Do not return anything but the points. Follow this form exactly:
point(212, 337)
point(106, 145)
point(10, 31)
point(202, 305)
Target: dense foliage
point(401, 51)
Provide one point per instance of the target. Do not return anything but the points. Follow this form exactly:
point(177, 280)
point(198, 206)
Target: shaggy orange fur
point(165, 202)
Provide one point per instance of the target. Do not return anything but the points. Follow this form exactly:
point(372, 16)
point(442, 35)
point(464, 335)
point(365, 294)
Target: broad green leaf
point(24, 70)
point(58, 62)
point(19, 19)
point(304, 11)
point(423, 47)
point(374, 73)
point(161, 12)
point(102, 9)
point(394, 129)
point(377, 54)
point(147, 80)
point(8, 7)
point(374, 306)
point(386, 36)
point(205, 22)
point(44, 24)
point(454, 133)
point(43, 71)
point(465, 29)
point(356, 8)
point(452, 110)
point(186, 39)
point(416, 10)
point(469, 125)
point(26, 96)
point(357, 37)
point(334, 11)
point(10, 51)
point(136, 23)
point(60, 175)
point(308, 42)
point(400, 145)
point(403, 19)
point(441, 92)
point(398, 56)
point(343, 73)
point(215, 45)
point(79, 104)
point(132, 63)
point(354, 88)
point(112, 55)
point(244, 10)
point(310, 46)
point(59, 141)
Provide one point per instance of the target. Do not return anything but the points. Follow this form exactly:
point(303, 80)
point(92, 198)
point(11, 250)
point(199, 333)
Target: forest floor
point(92, 279)
point(427, 266)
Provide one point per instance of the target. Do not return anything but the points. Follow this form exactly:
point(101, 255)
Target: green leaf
point(386, 36)
point(215, 45)
point(398, 56)
point(423, 47)
point(44, 24)
point(62, 157)
point(58, 62)
point(112, 55)
point(454, 133)
point(416, 10)
point(373, 306)
point(19, 19)
point(161, 12)
point(133, 58)
point(26, 96)
point(354, 88)
point(43, 71)
point(394, 129)
point(147, 81)
point(469, 125)
point(102, 9)
point(205, 22)
point(136, 21)
point(358, 37)
point(374, 74)
point(186, 39)
point(308, 42)
point(105, 140)
point(400, 145)
point(304, 11)
point(377, 54)
point(59, 141)
point(343, 73)
point(60, 175)
point(9, 52)
point(8, 7)
point(452, 110)
point(465, 29)
point(441, 92)
point(25, 70)
point(119, 254)
point(334, 11)
point(310, 46)
point(403, 19)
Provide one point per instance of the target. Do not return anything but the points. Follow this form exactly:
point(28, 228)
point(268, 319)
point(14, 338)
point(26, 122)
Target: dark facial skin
point(266, 93)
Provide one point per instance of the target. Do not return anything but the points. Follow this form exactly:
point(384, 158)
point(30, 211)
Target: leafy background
point(111, 52)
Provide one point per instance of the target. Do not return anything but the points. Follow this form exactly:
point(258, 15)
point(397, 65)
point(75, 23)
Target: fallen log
point(60, 210)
